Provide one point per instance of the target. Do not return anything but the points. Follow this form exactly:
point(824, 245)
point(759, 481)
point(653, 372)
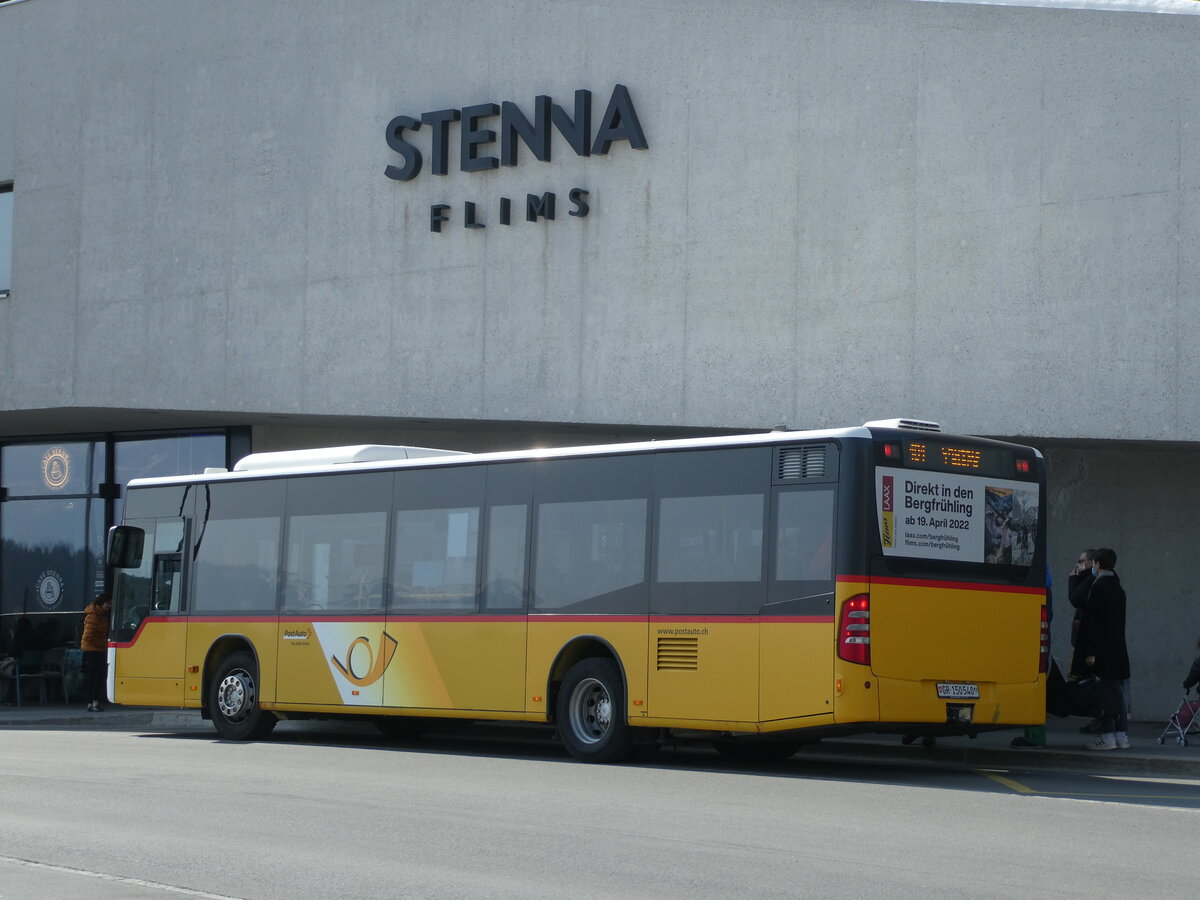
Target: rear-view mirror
point(125, 543)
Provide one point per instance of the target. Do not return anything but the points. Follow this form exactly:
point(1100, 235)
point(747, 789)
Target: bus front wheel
point(590, 711)
point(233, 700)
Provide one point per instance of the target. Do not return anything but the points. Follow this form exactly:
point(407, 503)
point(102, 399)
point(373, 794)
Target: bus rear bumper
point(961, 703)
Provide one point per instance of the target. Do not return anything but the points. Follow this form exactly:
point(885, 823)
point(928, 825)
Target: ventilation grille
point(801, 462)
point(681, 653)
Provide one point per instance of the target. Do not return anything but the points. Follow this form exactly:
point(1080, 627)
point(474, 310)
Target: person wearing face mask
point(1078, 584)
point(1100, 647)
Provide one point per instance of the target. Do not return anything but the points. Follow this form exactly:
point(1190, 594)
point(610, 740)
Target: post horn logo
point(364, 668)
point(56, 468)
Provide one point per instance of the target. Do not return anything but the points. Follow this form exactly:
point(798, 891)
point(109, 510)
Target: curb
point(147, 719)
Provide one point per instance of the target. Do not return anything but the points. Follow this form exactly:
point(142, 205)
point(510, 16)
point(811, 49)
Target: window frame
point(6, 189)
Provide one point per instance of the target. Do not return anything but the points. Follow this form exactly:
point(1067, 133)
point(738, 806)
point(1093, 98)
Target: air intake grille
point(801, 462)
point(678, 653)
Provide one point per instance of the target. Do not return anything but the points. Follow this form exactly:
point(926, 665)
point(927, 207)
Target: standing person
point(94, 644)
point(1100, 645)
point(1078, 584)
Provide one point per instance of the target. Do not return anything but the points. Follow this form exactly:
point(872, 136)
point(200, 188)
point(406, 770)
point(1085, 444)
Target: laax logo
point(362, 666)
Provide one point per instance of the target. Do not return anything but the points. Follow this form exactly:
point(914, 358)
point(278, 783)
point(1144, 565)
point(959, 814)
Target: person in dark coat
point(1100, 644)
point(1079, 582)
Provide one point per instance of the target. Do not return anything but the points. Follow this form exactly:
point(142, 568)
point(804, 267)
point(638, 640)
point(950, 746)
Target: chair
point(29, 669)
point(54, 670)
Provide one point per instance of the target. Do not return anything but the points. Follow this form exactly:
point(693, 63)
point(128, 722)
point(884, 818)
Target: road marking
point(1007, 782)
point(1107, 795)
point(137, 882)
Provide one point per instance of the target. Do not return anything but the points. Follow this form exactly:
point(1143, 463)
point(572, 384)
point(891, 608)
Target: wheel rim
point(590, 711)
point(236, 695)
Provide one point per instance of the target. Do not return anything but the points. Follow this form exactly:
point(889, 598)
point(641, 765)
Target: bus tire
point(233, 700)
point(590, 711)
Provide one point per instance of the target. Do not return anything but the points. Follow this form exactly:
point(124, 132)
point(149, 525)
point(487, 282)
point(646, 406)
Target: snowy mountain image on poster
point(997, 525)
point(1009, 525)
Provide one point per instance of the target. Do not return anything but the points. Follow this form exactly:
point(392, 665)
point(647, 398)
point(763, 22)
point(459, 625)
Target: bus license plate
point(957, 690)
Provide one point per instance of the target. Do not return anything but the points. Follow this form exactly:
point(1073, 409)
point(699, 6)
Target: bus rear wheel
point(590, 711)
point(233, 700)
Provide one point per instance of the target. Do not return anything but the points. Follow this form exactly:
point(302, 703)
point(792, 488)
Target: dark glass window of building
point(188, 454)
point(55, 516)
point(6, 234)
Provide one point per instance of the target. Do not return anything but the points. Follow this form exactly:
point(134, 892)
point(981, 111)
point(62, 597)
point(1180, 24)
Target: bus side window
point(165, 596)
point(805, 536)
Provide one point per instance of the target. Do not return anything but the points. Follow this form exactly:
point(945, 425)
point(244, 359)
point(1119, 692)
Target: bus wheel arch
point(575, 651)
point(232, 687)
point(589, 697)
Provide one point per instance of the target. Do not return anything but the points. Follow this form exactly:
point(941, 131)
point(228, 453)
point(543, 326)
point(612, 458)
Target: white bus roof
point(322, 461)
point(452, 456)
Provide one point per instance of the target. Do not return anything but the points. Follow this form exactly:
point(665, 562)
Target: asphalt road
point(339, 812)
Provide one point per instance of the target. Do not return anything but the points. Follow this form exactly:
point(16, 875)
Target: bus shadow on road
point(818, 762)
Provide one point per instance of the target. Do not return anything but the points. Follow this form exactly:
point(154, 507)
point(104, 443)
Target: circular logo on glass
point(56, 468)
point(50, 588)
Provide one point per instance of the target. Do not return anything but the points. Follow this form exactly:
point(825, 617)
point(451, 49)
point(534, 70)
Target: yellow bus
point(756, 591)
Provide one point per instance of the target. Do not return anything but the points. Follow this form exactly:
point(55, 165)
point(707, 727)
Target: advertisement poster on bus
point(962, 518)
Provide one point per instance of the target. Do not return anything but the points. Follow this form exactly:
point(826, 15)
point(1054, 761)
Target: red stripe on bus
point(948, 585)
point(467, 617)
point(584, 617)
point(122, 645)
point(738, 620)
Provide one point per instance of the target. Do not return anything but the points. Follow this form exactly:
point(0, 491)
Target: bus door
point(709, 584)
point(797, 625)
point(456, 625)
point(150, 622)
point(333, 647)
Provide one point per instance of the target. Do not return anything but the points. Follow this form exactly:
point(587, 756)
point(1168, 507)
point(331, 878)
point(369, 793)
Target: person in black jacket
point(1078, 584)
point(1100, 648)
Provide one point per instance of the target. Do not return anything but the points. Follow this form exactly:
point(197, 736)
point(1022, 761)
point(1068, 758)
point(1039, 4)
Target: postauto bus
point(756, 591)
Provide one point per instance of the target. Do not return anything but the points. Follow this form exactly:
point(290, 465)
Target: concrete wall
point(847, 210)
point(1140, 502)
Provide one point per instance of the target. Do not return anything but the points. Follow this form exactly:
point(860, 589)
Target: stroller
point(1184, 721)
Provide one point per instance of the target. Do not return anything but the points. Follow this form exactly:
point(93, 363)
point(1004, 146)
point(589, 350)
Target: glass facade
point(59, 498)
